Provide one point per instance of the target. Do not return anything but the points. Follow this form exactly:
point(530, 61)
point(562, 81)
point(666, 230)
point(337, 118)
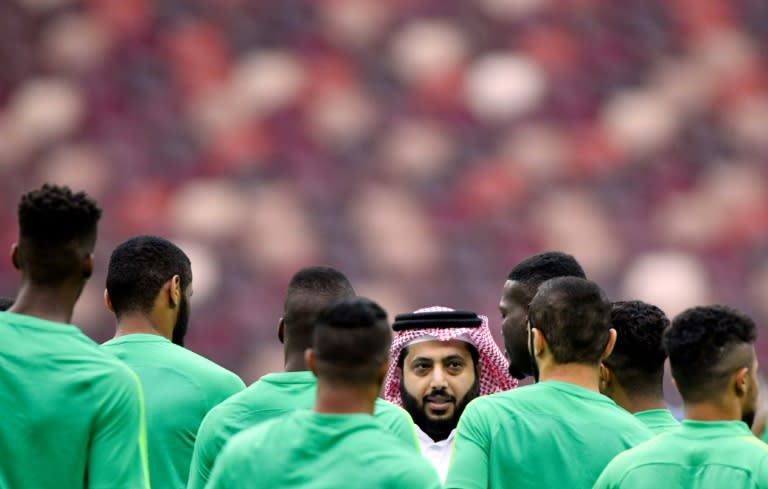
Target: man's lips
point(439, 403)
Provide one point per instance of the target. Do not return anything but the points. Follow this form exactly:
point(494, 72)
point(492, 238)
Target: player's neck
point(583, 375)
point(712, 411)
point(639, 401)
point(338, 399)
point(50, 303)
point(138, 324)
point(295, 362)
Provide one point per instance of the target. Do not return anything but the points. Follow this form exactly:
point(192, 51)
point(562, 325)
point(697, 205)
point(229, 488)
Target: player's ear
point(281, 330)
point(15, 256)
point(611, 343)
point(309, 357)
point(383, 372)
point(174, 291)
point(741, 381)
point(88, 266)
point(606, 377)
point(538, 342)
point(108, 301)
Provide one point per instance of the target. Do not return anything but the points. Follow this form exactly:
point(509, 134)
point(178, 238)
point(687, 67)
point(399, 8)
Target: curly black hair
point(638, 357)
point(699, 340)
point(138, 269)
point(573, 314)
point(57, 231)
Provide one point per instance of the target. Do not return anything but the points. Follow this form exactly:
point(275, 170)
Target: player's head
point(636, 365)
point(712, 356)
point(570, 322)
point(5, 303)
point(310, 290)
point(57, 234)
point(147, 273)
point(350, 345)
point(521, 285)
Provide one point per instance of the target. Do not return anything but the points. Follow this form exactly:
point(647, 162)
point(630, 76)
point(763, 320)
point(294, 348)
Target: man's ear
point(88, 266)
point(281, 330)
point(174, 291)
point(539, 342)
point(611, 343)
point(108, 301)
point(309, 357)
point(741, 381)
point(15, 256)
point(383, 372)
point(606, 377)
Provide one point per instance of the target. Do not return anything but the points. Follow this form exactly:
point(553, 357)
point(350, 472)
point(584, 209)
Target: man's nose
point(438, 378)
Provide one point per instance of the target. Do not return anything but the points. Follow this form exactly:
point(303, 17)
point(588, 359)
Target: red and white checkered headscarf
point(492, 366)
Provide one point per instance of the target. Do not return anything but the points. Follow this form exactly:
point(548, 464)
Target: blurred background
point(423, 147)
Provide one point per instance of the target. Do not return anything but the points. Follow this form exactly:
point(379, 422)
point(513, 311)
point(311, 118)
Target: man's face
point(438, 381)
point(514, 315)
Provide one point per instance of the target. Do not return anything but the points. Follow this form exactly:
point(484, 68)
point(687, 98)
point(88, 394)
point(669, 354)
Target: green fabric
point(698, 455)
point(180, 387)
point(547, 435)
point(72, 414)
point(321, 451)
point(271, 396)
point(658, 420)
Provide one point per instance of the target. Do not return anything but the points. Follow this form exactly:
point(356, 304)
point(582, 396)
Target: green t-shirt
point(180, 387)
point(271, 396)
point(72, 415)
point(698, 455)
point(547, 435)
point(658, 420)
point(321, 451)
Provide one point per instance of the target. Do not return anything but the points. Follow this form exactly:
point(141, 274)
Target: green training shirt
point(72, 415)
point(321, 451)
point(180, 387)
point(658, 420)
point(271, 396)
point(547, 435)
point(698, 455)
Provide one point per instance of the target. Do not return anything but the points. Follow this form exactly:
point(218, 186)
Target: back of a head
point(57, 233)
point(573, 314)
point(138, 269)
point(309, 291)
point(351, 342)
point(638, 357)
point(536, 269)
point(706, 345)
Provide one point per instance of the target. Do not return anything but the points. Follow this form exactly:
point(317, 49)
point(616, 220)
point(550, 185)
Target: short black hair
point(638, 356)
point(57, 231)
point(537, 269)
point(6, 303)
point(699, 342)
point(351, 341)
point(138, 269)
point(310, 290)
point(573, 315)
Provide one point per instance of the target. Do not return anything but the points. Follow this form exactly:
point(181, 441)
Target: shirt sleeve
point(117, 455)
point(468, 468)
point(202, 457)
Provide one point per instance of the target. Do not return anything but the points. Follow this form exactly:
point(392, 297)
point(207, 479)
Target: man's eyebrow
point(453, 356)
point(421, 357)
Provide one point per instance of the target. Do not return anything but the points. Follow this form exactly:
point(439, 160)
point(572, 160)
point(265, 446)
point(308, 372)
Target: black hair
point(573, 315)
point(351, 341)
point(699, 343)
point(309, 291)
point(536, 269)
point(57, 231)
point(138, 269)
point(6, 303)
point(638, 356)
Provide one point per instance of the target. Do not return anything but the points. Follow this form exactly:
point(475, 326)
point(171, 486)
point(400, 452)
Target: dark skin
point(513, 306)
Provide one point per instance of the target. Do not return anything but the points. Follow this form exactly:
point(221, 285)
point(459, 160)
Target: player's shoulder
point(205, 367)
point(385, 409)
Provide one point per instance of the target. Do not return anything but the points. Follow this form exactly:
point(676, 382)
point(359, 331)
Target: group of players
point(427, 401)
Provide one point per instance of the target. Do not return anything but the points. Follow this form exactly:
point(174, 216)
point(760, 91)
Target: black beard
point(437, 429)
point(182, 322)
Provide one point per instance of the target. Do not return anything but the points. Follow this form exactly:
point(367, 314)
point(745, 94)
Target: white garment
point(437, 452)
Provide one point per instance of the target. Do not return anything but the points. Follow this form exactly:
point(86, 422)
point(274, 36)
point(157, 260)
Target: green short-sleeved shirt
point(698, 455)
point(658, 420)
point(180, 387)
point(547, 435)
point(321, 451)
point(271, 396)
point(72, 415)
